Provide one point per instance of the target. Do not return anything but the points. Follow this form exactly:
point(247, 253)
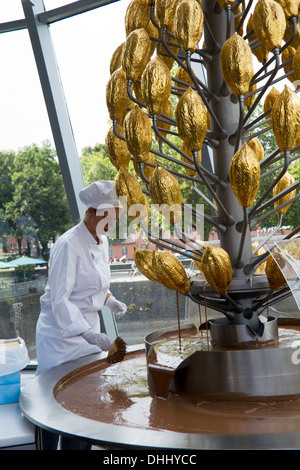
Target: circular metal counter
point(40, 406)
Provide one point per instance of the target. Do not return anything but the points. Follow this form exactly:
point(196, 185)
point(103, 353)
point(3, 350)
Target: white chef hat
point(100, 195)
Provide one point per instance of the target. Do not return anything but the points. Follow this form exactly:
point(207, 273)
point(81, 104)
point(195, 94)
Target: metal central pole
point(227, 113)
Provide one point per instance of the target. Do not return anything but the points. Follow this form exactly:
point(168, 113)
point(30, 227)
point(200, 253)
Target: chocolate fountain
point(236, 374)
point(222, 114)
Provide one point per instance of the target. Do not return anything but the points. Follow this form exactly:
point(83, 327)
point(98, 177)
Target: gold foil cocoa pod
point(296, 40)
point(270, 99)
point(148, 170)
point(188, 24)
point(249, 101)
point(186, 150)
point(153, 33)
point(117, 149)
point(237, 65)
point(285, 117)
point(223, 3)
point(116, 58)
point(137, 90)
point(269, 23)
point(288, 54)
point(191, 119)
point(167, 59)
point(137, 16)
point(143, 259)
point(292, 247)
point(198, 264)
point(170, 272)
point(261, 251)
point(127, 186)
point(156, 83)
point(244, 175)
point(138, 133)
point(260, 52)
point(237, 17)
point(284, 182)
point(167, 109)
point(274, 275)
point(182, 75)
point(165, 11)
point(136, 53)
point(165, 191)
point(290, 7)
point(296, 64)
point(117, 99)
point(217, 269)
point(257, 148)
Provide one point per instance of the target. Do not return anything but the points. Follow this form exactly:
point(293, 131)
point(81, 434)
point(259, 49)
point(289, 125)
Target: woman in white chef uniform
point(78, 284)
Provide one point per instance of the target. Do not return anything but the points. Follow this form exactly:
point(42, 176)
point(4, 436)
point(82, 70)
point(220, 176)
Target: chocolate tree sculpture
point(247, 47)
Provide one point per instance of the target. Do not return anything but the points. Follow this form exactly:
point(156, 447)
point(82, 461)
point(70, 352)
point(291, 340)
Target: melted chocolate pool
point(118, 394)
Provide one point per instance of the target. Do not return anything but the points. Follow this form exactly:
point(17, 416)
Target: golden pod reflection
point(237, 65)
point(259, 252)
point(188, 24)
point(274, 275)
point(191, 119)
point(156, 83)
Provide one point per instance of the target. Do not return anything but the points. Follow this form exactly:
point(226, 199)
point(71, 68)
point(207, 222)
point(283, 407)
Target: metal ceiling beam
point(37, 21)
point(15, 25)
point(72, 9)
point(55, 101)
point(57, 14)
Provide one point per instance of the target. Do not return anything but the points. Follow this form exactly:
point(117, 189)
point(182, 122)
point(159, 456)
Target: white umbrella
point(25, 260)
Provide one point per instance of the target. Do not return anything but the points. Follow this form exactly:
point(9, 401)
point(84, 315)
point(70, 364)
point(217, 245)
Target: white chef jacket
point(78, 282)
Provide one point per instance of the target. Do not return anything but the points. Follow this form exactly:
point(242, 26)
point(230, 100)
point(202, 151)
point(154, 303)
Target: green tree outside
point(37, 208)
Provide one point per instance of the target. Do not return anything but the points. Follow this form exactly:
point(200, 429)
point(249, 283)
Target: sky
point(83, 46)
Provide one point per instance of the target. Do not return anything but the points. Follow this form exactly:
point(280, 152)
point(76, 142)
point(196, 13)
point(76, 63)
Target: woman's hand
point(117, 307)
point(99, 339)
